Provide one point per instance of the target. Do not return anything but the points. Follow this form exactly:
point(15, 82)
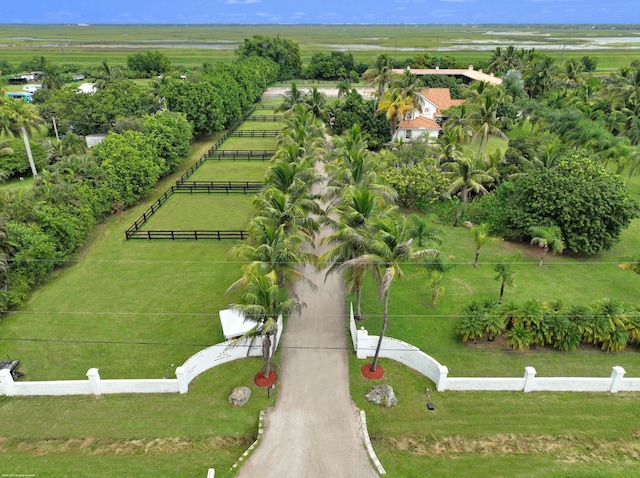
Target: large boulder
point(240, 396)
point(382, 395)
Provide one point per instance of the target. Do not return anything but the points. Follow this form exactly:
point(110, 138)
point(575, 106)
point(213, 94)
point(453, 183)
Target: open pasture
point(191, 45)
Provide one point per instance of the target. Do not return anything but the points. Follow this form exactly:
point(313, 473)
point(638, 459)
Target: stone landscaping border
point(367, 443)
point(253, 445)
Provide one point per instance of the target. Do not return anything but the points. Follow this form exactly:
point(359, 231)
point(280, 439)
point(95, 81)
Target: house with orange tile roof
point(426, 121)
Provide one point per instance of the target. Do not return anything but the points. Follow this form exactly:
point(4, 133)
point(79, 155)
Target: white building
point(426, 123)
point(89, 88)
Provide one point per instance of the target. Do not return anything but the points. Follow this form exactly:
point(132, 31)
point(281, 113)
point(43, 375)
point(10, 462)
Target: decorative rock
point(382, 395)
point(240, 396)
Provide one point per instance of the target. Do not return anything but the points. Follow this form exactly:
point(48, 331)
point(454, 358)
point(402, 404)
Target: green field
point(230, 171)
point(191, 45)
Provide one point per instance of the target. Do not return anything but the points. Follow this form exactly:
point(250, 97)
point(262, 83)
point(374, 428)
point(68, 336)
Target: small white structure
point(93, 139)
point(32, 88)
point(77, 77)
point(29, 76)
point(88, 88)
point(234, 323)
point(426, 121)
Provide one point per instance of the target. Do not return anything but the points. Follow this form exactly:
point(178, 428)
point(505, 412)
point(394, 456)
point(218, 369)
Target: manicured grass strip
point(218, 211)
point(262, 125)
point(250, 143)
point(523, 435)
point(230, 171)
point(570, 279)
point(138, 435)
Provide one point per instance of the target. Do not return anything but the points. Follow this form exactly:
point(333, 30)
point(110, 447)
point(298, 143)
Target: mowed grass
point(223, 170)
point(503, 434)
point(134, 435)
point(219, 211)
point(130, 308)
point(245, 143)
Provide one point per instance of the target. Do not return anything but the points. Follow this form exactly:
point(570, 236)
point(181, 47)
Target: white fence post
point(94, 381)
point(529, 377)
point(7, 382)
point(183, 385)
point(441, 383)
point(211, 473)
point(362, 343)
point(617, 374)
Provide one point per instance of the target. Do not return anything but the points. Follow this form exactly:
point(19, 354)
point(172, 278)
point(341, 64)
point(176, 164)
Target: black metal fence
point(264, 118)
point(186, 234)
point(243, 154)
point(252, 133)
point(227, 187)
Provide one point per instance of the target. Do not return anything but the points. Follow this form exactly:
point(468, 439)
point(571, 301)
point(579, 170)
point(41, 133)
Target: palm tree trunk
point(27, 146)
point(455, 224)
point(501, 293)
point(358, 301)
point(266, 355)
point(541, 260)
point(477, 255)
point(382, 330)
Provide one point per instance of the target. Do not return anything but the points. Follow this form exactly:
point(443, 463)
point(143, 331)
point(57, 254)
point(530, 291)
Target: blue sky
point(323, 11)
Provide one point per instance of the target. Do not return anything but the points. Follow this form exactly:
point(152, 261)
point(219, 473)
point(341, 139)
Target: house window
point(407, 134)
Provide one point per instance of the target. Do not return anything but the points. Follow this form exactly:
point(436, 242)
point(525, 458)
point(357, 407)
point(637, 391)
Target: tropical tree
point(519, 337)
point(484, 119)
point(380, 74)
point(395, 105)
point(423, 229)
point(470, 324)
point(466, 175)
point(505, 274)
point(389, 247)
point(23, 117)
point(262, 302)
point(547, 238)
point(291, 98)
point(480, 238)
point(316, 102)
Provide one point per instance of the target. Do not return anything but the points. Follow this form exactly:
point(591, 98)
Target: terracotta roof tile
point(441, 97)
point(419, 123)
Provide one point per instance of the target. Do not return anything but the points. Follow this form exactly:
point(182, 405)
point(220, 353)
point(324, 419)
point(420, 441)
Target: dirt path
point(313, 431)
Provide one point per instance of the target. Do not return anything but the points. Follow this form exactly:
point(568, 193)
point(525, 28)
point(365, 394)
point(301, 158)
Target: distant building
point(77, 77)
point(93, 139)
point(427, 120)
point(88, 88)
point(467, 76)
point(32, 88)
point(21, 95)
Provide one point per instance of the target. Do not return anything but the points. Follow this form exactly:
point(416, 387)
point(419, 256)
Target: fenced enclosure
point(211, 187)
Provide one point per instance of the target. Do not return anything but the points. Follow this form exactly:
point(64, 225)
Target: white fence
point(194, 366)
point(407, 354)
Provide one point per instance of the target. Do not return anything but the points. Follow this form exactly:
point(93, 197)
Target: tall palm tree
point(484, 119)
point(389, 247)
point(354, 212)
point(262, 302)
point(106, 75)
point(23, 117)
point(547, 238)
point(291, 98)
point(316, 102)
point(395, 106)
point(379, 75)
point(466, 175)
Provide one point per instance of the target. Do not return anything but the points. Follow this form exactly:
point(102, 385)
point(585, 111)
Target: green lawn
point(249, 144)
point(230, 171)
point(134, 435)
point(203, 211)
point(502, 434)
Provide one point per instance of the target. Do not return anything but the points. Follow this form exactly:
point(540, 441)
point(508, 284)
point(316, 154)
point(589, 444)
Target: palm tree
point(316, 103)
point(470, 325)
point(394, 105)
point(288, 211)
point(423, 229)
point(106, 75)
point(23, 117)
point(344, 86)
point(480, 238)
point(519, 337)
point(449, 144)
point(388, 248)
point(484, 119)
point(380, 74)
point(505, 274)
point(357, 207)
point(466, 175)
point(262, 302)
point(547, 238)
point(291, 98)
